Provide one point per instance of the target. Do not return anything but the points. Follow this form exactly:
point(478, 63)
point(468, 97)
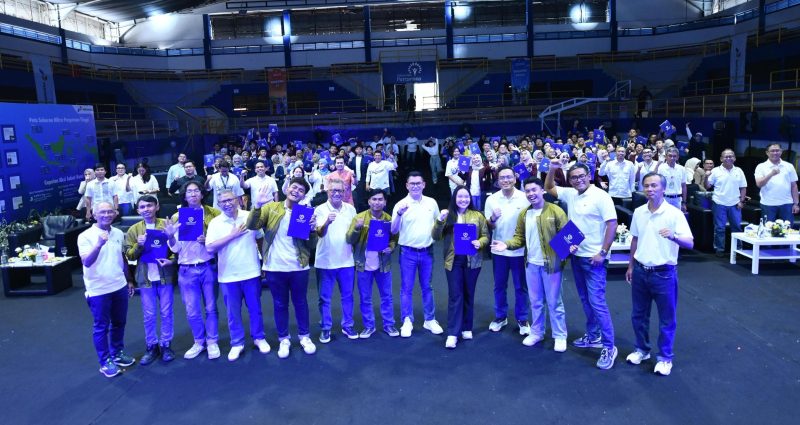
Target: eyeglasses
point(578, 177)
point(226, 201)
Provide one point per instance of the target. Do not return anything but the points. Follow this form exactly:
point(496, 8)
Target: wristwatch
point(603, 252)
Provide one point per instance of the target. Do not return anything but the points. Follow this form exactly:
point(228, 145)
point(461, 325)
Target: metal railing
point(784, 79)
point(713, 86)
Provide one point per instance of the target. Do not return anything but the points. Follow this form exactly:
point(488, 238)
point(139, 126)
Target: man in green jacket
point(373, 265)
point(536, 226)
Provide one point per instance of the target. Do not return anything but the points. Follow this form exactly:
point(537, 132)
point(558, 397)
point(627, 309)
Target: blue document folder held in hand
point(568, 236)
point(191, 220)
point(522, 171)
point(463, 235)
point(463, 164)
point(300, 222)
point(155, 246)
point(378, 236)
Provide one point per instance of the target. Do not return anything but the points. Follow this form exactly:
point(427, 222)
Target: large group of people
point(510, 195)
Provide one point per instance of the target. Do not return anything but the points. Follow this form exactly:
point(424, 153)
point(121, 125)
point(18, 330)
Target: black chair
point(55, 232)
point(126, 221)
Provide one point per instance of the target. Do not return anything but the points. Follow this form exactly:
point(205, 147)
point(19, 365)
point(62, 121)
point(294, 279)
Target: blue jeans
point(327, 280)
point(199, 292)
point(476, 203)
point(413, 261)
point(723, 215)
point(461, 282)
point(774, 212)
point(500, 267)
point(232, 294)
point(384, 283)
point(157, 297)
point(543, 286)
point(661, 287)
point(109, 312)
point(590, 281)
point(285, 285)
point(125, 209)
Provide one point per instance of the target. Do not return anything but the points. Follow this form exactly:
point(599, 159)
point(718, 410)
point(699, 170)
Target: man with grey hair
point(675, 174)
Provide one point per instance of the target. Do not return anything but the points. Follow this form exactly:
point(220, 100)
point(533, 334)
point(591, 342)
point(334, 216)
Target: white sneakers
point(307, 345)
point(194, 351)
point(213, 351)
point(637, 357)
point(262, 345)
point(451, 342)
point(235, 352)
point(663, 368)
point(498, 324)
point(466, 335)
point(283, 348)
point(560, 345)
point(531, 340)
point(433, 326)
point(405, 330)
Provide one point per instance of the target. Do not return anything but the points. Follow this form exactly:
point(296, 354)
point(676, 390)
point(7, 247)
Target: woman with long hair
point(143, 183)
point(462, 270)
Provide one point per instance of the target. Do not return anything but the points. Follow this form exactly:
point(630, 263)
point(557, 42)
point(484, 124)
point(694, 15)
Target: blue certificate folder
point(191, 220)
point(463, 164)
point(569, 235)
point(208, 160)
point(378, 236)
point(522, 170)
point(155, 246)
point(599, 137)
point(300, 222)
point(463, 235)
point(544, 166)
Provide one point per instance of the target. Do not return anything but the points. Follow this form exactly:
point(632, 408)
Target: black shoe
point(325, 336)
point(150, 355)
point(391, 331)
point(167, 355)
point(720, 254)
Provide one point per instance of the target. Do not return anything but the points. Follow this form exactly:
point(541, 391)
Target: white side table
point(765, 248)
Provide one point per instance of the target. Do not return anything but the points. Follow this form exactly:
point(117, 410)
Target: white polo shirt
point(238, 259)
point(451, 169)
point(107, 273)
point(589, 211)
point(101, 192)
point(416, 224)
point(333, 251)
point(778, 190)
point(675, 176)
point(726, 185)
point(652, 249)
point(534, 244)
point(621, 176)
point(282, 254)
point(256, 183)
point(505, 226)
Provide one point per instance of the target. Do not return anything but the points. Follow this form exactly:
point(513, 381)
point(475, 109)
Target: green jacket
point(439, 232)
point(550, 221)
point(358, 238)
point(133, 251)
point(269, 217)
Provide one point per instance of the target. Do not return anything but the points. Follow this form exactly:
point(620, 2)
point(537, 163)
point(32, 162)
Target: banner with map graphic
point(44, 149)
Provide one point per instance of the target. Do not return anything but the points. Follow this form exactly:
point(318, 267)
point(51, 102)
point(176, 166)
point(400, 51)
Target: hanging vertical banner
point(276, 78)
point(520, 79)
point(737, 68)
point(43, 78)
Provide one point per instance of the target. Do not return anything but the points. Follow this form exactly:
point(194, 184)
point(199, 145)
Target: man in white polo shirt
point(239, 272)
point(260, 179)
point(778, 182)
point(730, 188)
point(106, 277)
point(334, 260)
point(675, 174)
point(621, 176)
point(592, 211)
point(658, 230)
point(502, 210)
point(413, 218)
point(100, 190)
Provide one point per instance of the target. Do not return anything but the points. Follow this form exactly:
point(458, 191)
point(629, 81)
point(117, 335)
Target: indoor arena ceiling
point(125, 10)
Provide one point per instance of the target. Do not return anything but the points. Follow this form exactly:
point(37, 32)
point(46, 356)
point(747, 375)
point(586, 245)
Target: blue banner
point(45, 149)
point(409, 72)
point(520, 74)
